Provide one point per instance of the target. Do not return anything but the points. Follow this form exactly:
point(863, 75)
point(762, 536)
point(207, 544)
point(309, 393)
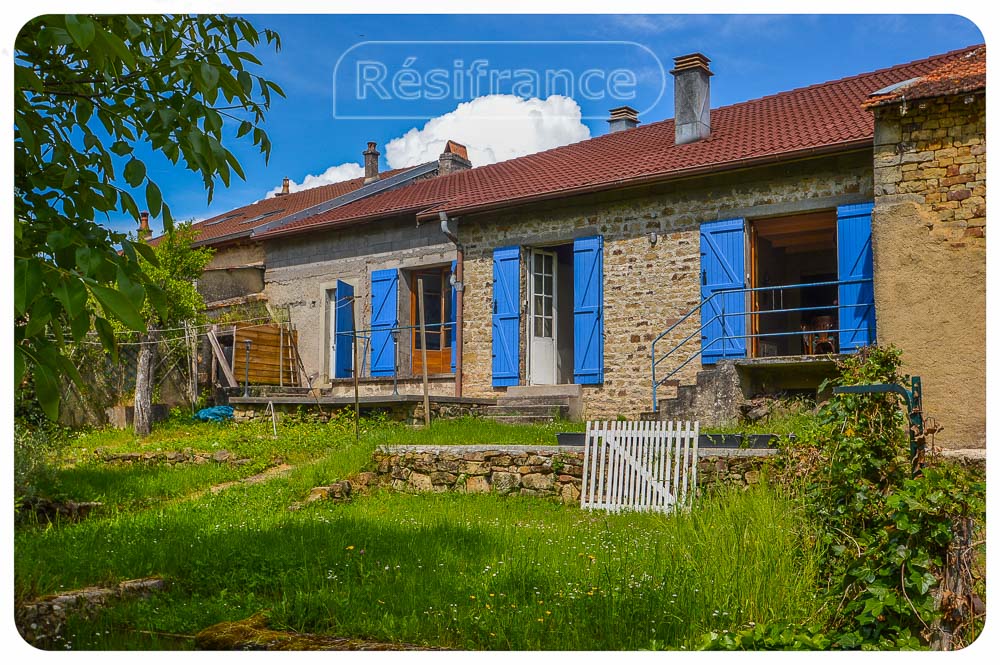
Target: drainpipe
point(459, 287)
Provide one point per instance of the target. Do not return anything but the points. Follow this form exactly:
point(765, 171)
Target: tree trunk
point(144, 379)
point(956, 599)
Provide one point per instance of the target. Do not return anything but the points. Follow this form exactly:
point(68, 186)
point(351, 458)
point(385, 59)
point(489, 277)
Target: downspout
point(459, 287)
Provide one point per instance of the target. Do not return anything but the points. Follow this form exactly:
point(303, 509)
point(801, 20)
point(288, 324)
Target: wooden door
point(437, 314)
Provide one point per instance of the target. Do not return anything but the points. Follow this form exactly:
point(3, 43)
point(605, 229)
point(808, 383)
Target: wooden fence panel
point(273, 358)
point(640, 466)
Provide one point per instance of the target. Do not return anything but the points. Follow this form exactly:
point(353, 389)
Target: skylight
point(894, 87)
point(263, 216)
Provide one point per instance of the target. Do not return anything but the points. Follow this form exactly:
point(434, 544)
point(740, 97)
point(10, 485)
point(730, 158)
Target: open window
point(438, 319)
point(786, 251)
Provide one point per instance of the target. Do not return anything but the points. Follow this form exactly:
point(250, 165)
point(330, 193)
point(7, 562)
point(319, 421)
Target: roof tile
point(826, 115)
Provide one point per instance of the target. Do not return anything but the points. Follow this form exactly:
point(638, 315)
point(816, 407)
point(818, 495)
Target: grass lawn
point(451, 570)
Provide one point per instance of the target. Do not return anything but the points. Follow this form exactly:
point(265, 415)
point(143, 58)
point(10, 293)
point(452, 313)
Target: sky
point(511, 85)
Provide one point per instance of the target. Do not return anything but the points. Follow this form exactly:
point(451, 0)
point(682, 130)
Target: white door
point(542, 354)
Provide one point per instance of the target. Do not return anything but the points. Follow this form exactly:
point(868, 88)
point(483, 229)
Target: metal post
point(246, 379)
point(423, 350)
point(354, 371)
point(395, 361)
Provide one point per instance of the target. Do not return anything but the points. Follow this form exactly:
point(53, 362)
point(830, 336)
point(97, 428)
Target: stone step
point(551, 410)
point(563, 389)
point(538, 400)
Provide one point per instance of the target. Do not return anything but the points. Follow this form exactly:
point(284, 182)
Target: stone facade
point(647, 286)
point(548, 471)
point(929, 246)
point(303, 269)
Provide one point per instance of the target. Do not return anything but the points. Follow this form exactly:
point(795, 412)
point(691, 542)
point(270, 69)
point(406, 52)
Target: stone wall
point(929, 245)
point(302, 269)
point(410, 412)
point(237, 255)
point(647, 286)
point(552, 471)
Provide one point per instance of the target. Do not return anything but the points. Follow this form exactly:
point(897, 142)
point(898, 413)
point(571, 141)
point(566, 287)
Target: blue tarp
point(215, 414)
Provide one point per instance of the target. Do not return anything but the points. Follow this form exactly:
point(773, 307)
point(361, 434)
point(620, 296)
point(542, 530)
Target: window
point(437, 317)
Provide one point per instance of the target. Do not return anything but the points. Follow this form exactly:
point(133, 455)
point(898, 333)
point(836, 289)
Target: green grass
point(461, 571)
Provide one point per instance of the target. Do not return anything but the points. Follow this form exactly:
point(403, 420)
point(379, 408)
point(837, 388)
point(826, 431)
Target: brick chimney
point(145, 233)
point(692, 105)
point(453, 159)
point(284, 187)
point(371, 163)
point(622, 118)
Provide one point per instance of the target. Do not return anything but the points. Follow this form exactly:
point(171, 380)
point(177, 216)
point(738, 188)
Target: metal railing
point(401, 335)
point(727, 337)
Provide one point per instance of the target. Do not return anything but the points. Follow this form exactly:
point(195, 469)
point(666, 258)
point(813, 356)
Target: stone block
point(476, 485)
point(537, 481)
point(420, 482)
point(504, 482)
point(442, 478)
point(474, 468)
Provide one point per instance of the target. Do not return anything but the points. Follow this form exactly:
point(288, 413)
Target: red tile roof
point(823, 117)
point(961, 75)
point(234, 222)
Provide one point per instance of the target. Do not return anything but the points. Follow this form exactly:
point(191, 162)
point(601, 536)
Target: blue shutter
point(854, 261)
point(453, 317)
point(506, 316)
point(385, 285)
point(588, 310)
point(722, 268)
point(344, 345)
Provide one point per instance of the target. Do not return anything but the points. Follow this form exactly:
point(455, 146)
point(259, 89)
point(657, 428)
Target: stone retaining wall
point(553, 471)
point(411, 413)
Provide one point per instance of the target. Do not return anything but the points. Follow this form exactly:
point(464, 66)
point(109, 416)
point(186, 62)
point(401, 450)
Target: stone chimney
point(371, 163)
point(284, 188)
point(622, 118)
point(145, 233)
point(455, 158)
point(692, 106)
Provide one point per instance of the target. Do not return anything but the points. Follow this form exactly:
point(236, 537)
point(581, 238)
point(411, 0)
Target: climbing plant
point(889, 538)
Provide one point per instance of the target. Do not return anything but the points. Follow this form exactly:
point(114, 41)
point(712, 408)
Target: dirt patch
point(253, 634)
point(263, 476)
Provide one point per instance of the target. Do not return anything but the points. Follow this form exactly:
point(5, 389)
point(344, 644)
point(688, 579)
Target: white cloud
point(494, 128)
point(338, 173)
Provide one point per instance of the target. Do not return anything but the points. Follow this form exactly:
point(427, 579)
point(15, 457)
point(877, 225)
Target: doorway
point(550, 315)
point(794, 250)
point(437, 314)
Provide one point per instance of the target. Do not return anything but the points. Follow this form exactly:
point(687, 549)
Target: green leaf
point(135, 171)
point(246, 82)
point(107, 336)
point(81, 29)
point(47, 391)
point(117, 305)
point(168, 219)
point(153, 198)
point(209, 75)
point(147, 253)
point(73, 296)
point(18, 365)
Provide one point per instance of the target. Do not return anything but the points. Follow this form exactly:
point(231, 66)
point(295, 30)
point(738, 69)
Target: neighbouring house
point(235, 275)
point(677, 266)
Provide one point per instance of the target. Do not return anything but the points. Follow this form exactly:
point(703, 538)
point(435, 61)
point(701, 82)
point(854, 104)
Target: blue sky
point(751, 56)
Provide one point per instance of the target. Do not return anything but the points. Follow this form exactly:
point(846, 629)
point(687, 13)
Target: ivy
point(886, 534)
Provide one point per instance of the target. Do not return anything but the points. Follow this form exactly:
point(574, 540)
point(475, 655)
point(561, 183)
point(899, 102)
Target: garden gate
point(646, 466)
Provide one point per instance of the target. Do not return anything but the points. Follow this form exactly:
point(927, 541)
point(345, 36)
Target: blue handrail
point(721, 339)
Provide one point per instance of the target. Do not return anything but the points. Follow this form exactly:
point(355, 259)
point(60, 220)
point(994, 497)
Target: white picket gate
point(646, 466)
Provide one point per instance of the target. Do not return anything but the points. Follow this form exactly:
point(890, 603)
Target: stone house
point(647, 268)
